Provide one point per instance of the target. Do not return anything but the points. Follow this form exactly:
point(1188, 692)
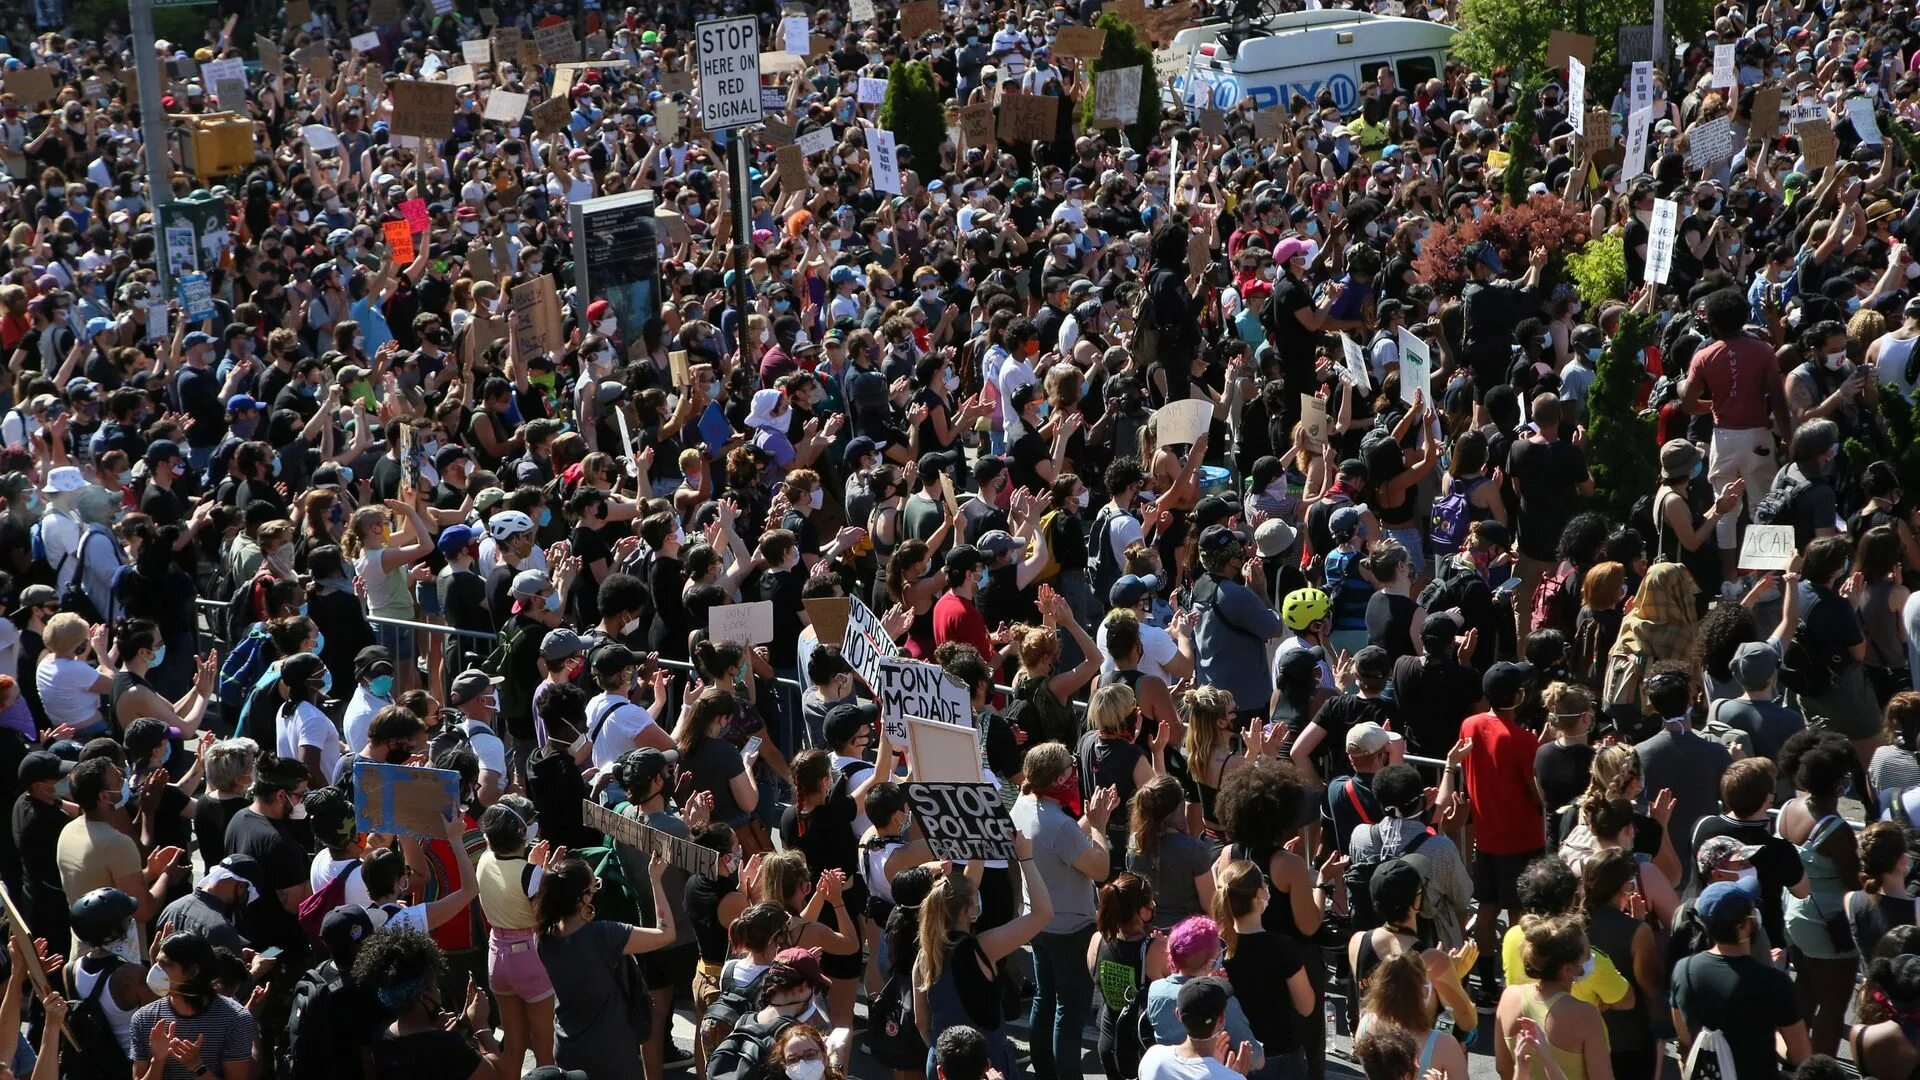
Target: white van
point(1301, 53)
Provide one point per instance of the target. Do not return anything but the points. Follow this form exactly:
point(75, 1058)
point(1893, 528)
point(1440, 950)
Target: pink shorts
point(514, 967)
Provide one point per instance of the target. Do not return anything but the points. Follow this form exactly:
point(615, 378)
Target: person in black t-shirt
point(166, 466)
point(262, 831)
point(590, 508)
point(1746, 794)
point(1437, 691)
point(37, 821)
point(1744, 998)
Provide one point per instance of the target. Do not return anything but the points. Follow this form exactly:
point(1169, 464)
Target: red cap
point(598, 310)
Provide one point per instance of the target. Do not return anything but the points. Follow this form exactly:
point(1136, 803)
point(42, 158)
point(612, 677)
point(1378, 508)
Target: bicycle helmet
point(1304, 607)
point(102, 916)
point(508, 524)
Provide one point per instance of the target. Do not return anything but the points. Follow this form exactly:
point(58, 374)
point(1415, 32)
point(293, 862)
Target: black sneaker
point(675, 1055)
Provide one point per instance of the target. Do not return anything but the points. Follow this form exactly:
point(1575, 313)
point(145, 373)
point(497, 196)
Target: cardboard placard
point(917, 688)
point(780, 63)
point(1710, 143)
point(919, 17)
point(270, 58)
point(557, 44)
point(790, 167)
point(505, 107)
point(1270, 123)
point(779, 132)
point(1313, 419)
point(746, 624)
point(536, 317)
point(1564, 43)
point(1598, 134)
point(861, 11)
point(1080, 42)
point(871, 91)
point(1116, 97)
point(1817, 144)
point(551, 115)
point(976, 125)
point(36, 974)
point(827, 614)
point(1161, 24)
point(667, 118)
point(681, 853)
point(1213, 121)
point(1768, 547)
point(1635, 44)
point(865, 642)
point(943, 753)
point(1028, 118)
point(404, 800)
point(677, 364)
point(506, 43)
point(422, 109)
point(1726, 69)
point(479, 263)
point(385, 13)
point(31, 85)
point(478, 52)
point(1765, 123)
point(1865, 125)
point(676, 82)
point(1179, 423)
point(962, 822)
point(794, 31)
point(320, 137)
point(815, 142)
point(1660, 239)
point(399, 242)
point(299, 12)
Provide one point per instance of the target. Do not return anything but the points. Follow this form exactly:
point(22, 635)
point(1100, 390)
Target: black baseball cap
point(41, 765)
point(1505, 682)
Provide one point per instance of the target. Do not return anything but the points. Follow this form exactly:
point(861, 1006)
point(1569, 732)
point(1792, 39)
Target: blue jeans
point(1062, 1001)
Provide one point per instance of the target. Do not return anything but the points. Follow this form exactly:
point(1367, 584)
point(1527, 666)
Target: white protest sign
point(460, 75)
point(1356, 366)
point(1860, 111)
point(793, 34)
point(1807, 111)
point(817, 141)
point(1726, 69)
point(1577, 95)
point(886, 166)
point(365, 43)
point(1768, 547)
point(1117, 95)
point(942, 752)
point(865, 643)
point(1416, 367)
point(156, 322)
point(872, 91)
point(477, 52)
point(505, 106)
point(1640, 86)
point(1710, 144)
point(432, 66)
point(1666, 220)
point(742, 624)
point(213, 72)
point(728, 52)
point(861, 11)
point(320, 137)
point(1636, 155)
point(1179, 423)
point(916, 688)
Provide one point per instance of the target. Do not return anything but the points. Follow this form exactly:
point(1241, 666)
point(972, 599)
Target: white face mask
point(807, 1070)
point(1836, 360)
point(606, 327)
point(630, 628)
point(1586, 969)
point(159, 981)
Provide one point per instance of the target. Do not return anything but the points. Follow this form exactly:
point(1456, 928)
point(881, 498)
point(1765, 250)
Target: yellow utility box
point(217, 144)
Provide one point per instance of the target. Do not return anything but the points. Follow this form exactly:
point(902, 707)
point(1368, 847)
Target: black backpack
point(733, 1003)
point(312, 1046)
point(1359, 879)
point(893, 1039)
point(1778, 505)
point(94, 1051)
point(747, 1052)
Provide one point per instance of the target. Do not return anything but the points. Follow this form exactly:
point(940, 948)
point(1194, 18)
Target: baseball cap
point(1723, 904)
point(1344, 521)
point(447, 455)
point(1217, 538)
point(31, 597)
point(243, 402)
point(610, 659)
point(456, 538)
point(794, 967)
point(1291, 248)
point(846, 718)
point(344, 928)
point(1000, 541)
point(1504, 682)
point(559, 644)
point(1718, 851)
point(1131, 589)
point(470, 684)
point(1395, 884)
point(489, 499)
point(528, 584)
point(369, 658)
point(1755, 664)
point(197, 338)
point(1200, 1005)
point(860, 446)
point(1366, 738)
point(41, 765)
point(162, 450)
point(962, 560)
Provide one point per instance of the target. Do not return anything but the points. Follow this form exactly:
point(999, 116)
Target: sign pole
point(742, 228)
point(153, 134)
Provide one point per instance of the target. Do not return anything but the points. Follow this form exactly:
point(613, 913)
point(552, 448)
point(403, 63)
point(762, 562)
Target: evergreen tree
point(1125, 47)
point(914, 113)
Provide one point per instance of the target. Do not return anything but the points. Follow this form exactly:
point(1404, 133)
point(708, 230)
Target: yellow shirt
point(1601, 989)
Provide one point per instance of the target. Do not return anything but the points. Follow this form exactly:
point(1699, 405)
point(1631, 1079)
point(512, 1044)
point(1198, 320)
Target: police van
point(1299, 54)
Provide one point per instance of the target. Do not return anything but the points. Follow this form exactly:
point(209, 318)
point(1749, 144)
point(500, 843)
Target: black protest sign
point(962, 822)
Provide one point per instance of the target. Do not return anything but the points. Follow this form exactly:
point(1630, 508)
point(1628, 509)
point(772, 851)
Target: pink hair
point(1191, 939)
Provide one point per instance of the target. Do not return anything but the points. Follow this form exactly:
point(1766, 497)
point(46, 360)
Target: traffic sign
point(728, 52)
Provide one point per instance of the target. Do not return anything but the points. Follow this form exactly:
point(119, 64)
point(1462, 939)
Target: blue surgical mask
point(380, 686)
point(1044, 409)
point(783, 306)
point(276, 465)
point(319, 642)
point(326, 679)
point(546, 516)
point(553, 600)
point(159, 656)
point(126, 790)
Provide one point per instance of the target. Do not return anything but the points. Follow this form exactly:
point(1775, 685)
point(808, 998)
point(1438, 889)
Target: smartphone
point(752, 748)
point(271, 953)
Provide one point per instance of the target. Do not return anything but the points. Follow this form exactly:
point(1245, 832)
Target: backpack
point(317, 906)
point(1904, 807)
point(1132, 1031)
point(241, 668)
point(498, 662)
point(1556, 600)
point(893, 1039)
point(746, 1053)
point(1778, 505)
point(74, 597)
point(93, 1051)
point(1102, 566)
point(1803, 671)
point(1452, 516)
point(1620, 685)
point(736, 1001)
point(1448, 589)
point(1359, 878)
point(1145, 343)
point(313, 1043)
point(41, 571)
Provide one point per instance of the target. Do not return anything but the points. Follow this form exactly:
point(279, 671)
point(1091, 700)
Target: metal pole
point(742, 228)
point(153, 134)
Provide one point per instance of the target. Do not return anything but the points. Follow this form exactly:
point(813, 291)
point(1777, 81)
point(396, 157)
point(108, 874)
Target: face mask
point(818, 498)
point(126, 790)
point(471, 228)
point(807, 1070)
point(1748, 875)
point(159, 981)
point(952, 381)
point(546, 516)
point(1044, 409)
point(630, 628)
point(1836, 361)
point(159, 656)
point(326, 687)
point(766, 336)
point(606, 327)
point(553, 600)
point(1586, 969)
point(381, 686)
point(296, 809)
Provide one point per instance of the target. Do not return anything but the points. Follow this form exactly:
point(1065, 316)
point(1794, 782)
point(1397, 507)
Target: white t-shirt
point(1014, 374)
point(404, 917)
point(1157, 647)
point(322, 872)
point(359, 716)
point(61, 534)
point(621, 730)
point(1160, 1062)
point(488, 748)
point(66, 692)
point(306, 725)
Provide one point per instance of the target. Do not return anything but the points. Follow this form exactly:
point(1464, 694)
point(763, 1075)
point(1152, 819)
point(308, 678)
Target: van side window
point(1414, 71)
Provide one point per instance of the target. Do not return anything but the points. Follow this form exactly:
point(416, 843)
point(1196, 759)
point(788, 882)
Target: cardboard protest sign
point(399, 242)
point(299, 12)
point(385, 13)
point(747, 624)
point(676, 82)
point(31, 85)
point(862, 11)
point(422, 109)
point(864, 642)
point(1860, 111)
point(1765, 123)
point(1562, 44)
point(794, 30)
point(1416, 368)
point(677, 364)
point(1633, 161)
point(1577, 95)
point(1270, 123)
point(916, 688)
point(556, 43)
point(1213, 121)
point(270, 58)
point(551, 115)
point(976, 125)
point(678, 851)
point(1160, 24)
point(36, 972)
point(943, 753)
point(1635, 44)
point(1179, 423)
point(477, 52)
point(506, 43)
point(505, 106)
point(404, 800)
point(790, 167)
point(1313, 418)
point(1116, 96)
point(1817, 144)
point(479, 263)
point(919, 17)
point(962, 822)
point(1028, 118)
point(1598, 134)
point(536, 318)
point(1768, 547)
point(1079, 42)
point(828, 617)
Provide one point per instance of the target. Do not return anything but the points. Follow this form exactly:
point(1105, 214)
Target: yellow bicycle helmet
point(1304, 607)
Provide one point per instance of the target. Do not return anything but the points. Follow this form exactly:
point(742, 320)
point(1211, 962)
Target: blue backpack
point(241, 668)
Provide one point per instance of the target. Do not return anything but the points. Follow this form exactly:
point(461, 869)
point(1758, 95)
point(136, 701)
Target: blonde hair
point(782, 874)
point(1614, 768)
point(1035, 645)
point(949, 899)
point(1110, 708)
point(1566, 703)
point(1206, 707)
point(1045, 765)
point(65, 634)
point(353, 542)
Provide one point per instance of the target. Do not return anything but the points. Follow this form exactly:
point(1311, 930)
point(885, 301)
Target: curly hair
point(1258, 802)
point(399, 966)
point(1719, 633)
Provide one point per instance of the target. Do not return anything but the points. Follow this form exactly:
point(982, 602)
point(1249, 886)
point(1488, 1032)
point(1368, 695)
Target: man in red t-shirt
point(955, 615)
point(1509, 826)
point(1737, 379)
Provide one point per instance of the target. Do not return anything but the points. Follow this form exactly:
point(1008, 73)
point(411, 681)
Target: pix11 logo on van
point(1225, 90)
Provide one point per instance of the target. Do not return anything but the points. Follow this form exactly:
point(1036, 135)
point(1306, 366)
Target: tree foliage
point(1514, 33)
point(1599, 270)
point(1620, 441)
point(1124, 48)
point(914, 112)
point(1521, 151)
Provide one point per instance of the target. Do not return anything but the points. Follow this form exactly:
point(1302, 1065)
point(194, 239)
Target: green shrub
point(1599, 270)
point(913, 111)
point(1620, 440)
point(1514, 33)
